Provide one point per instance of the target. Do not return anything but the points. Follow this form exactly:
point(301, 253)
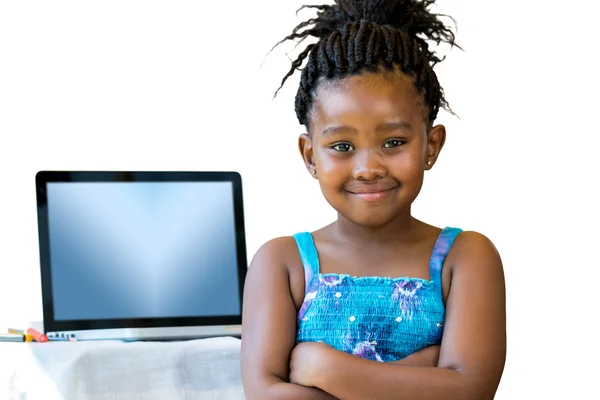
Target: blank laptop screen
point(127, 250)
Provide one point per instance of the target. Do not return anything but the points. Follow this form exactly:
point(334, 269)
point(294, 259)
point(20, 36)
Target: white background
point(176, 85)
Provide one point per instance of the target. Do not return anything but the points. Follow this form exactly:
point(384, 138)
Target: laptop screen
point(142, 250)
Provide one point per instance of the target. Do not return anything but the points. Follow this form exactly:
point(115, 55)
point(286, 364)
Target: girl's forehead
point(375, 94)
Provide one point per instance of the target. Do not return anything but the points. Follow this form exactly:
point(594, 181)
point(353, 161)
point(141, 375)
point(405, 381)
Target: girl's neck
point(400, 229)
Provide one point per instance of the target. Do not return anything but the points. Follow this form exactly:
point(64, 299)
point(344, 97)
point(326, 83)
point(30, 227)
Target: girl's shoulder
point(472, 245)
point(280, 256)
point(277, 252)
point(468, 241)
point(284, 251)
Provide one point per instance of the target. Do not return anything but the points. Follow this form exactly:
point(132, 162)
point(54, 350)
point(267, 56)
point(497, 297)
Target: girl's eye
point(342, 147)
point(393, 143)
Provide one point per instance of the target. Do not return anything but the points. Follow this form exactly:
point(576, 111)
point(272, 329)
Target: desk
point(206, 369)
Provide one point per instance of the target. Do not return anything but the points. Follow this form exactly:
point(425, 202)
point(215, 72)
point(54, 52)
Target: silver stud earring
point(314, 172)
point(429, 163)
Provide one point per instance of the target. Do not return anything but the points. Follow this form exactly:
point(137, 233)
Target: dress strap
point(441, 249)
point(310, 260)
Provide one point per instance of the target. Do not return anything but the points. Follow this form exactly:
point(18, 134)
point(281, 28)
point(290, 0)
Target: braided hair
point(356, 36)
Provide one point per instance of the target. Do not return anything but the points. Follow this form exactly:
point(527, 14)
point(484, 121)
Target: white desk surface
point(204, 369)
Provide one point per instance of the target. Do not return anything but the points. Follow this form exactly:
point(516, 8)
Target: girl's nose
point(368, 166)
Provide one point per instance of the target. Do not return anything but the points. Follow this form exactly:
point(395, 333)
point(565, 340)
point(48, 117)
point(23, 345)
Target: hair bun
point(364, 35)
point(410, 16)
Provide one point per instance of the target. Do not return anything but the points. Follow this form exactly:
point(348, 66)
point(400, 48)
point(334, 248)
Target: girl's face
point(370, 143)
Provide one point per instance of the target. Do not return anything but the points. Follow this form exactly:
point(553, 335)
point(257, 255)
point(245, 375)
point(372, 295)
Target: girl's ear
point(306, 151)
point(436, 138)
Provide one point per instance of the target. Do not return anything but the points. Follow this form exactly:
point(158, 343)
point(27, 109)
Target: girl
point(376, 305)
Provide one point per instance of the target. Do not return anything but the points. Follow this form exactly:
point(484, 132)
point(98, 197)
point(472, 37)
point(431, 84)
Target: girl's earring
point(314, 172)
point(429, 163)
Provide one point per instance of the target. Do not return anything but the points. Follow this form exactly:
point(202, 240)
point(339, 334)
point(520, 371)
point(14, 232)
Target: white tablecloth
point(204, 369)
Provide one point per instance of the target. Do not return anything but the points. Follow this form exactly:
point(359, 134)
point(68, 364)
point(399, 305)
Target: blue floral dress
point(377, 318)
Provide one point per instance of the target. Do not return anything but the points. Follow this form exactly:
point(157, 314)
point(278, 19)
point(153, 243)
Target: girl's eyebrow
point(384, 127)
point(332, 130)
point(392, 126)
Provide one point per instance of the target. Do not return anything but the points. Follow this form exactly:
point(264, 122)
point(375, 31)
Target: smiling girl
point(377, 304)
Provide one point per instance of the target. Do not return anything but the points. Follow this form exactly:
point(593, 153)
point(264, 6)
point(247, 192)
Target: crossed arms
point(471, 356)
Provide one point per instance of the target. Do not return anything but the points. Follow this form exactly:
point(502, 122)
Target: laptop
point(135, 255)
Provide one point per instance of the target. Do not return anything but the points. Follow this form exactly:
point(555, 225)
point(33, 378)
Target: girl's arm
point(428, 357)
point(473, 349)
point(269, 327)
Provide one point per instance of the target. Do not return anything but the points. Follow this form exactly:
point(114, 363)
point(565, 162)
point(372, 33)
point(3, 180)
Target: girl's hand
point(306, 359)
point(305, 362)
point(428, 357)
